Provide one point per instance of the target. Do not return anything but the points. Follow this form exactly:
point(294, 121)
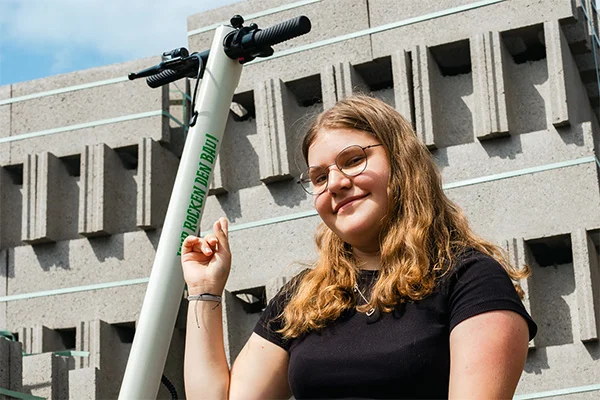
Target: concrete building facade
point(503, 92)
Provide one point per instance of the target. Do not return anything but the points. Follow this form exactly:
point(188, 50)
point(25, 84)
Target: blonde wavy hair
point(421, 237)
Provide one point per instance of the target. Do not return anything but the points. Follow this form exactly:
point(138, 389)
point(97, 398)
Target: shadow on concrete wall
point(537, 361)
point(52, 255)
point(572, 135)
point(105, 247)
point(506, 147)
point(552, 289)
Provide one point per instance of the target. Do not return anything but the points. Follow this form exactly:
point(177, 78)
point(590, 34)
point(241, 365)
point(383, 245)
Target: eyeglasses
point(351, 161)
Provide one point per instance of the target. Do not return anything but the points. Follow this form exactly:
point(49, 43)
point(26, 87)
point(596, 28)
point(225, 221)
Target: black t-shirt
point(403, 354)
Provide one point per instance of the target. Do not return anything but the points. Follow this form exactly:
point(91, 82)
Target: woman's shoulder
point(479, 283)
point(473, 269)
point(473, 261)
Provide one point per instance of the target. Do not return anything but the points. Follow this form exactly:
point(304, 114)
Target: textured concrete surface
point(496, 217)
point(3, 284)
point(107, 192)
point(493, 90)
point(458, 26)
point(11, 197)
point(155, 176)
point(46, 375)
point(11, 365)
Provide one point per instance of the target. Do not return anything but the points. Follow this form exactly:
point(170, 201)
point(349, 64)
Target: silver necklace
point(371, 311)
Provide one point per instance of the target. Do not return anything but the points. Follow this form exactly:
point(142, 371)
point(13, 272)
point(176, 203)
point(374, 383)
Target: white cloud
point(62, 60)
point(115, 28)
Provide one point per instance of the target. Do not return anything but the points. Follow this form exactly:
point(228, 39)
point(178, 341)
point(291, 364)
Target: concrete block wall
point(501, 94)
point(11, 365)
point(46, 375)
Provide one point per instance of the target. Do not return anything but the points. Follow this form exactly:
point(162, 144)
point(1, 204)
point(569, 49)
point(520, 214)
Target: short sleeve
point(480, 284)
point(270, 321)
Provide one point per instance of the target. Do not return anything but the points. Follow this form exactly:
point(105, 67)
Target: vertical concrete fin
point(97, 176)
point(556, 51)
point(348, 81)
point(328, 86)
point(11, 365)
point(40, 179)
point(421, 63)
point(518, 257)
point(264, 115)
point(340, 81)
point(98, 207)
point(143, 215)
point(88, 339)
point(30, 172)
point(491, 114)
point(46, 375)
point(275, 104)
point(402, 77)
point(218, 181)
point(157, 168)
point(82, 344)
point(37, 338)
point(583, 259)
point(3, 284)
point(26, 338)
point(84, 190)
point(42, 190)
point(4, 181)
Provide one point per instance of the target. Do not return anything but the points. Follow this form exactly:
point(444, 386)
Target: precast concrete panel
point(454, 25)
point(497, 209)
point(257, 255)
point(46, 375)
point(11, 364)
point(84, 106)
point(73, 142)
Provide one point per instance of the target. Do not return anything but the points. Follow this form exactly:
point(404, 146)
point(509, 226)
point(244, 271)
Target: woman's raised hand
point(206, 261)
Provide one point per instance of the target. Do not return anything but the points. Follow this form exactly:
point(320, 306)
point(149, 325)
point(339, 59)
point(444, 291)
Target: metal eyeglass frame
point(363, 148)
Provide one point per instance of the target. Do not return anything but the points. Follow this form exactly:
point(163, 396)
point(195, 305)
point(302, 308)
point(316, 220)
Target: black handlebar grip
point(281, 32)
point(163, 78)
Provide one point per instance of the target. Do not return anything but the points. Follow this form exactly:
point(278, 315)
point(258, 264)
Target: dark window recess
point(125, 331)
point(15, 172)
point(307, 90)
point(253, 300)
point(411, 86)
point(67, 336)
point(595, 236)
point(128, 156)
point(525, 44)
point(550, 251)
point(242, 106)
point(377, 74)
point(453, 58)
point(73, 164)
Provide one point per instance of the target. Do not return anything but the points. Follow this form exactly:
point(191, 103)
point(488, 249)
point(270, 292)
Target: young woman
point(404, 300)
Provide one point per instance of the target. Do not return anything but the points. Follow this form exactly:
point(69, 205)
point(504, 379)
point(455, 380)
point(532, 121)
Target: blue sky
point(40, 38)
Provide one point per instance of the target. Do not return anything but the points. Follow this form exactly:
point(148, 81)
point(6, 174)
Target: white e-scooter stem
point(154, 328)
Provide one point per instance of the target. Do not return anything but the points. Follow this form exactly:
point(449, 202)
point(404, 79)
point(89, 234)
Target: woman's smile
point(347, 204)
